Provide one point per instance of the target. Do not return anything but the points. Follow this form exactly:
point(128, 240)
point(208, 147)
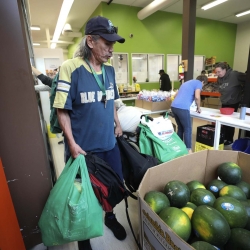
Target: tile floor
point(108, 241)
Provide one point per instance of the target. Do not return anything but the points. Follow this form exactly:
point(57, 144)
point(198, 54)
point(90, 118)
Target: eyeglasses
point(110, 30)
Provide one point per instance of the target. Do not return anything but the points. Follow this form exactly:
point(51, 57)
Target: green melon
point(156, 200)
point(233, 210)
point(202, 245)
point(239, 239)
point(233, 191)
point(215, 186)
point(177, 192)
point(245, 188)
point(210, 225)
point(230, 173)
point(191, 205)
point(192, 185)
point(246, 204)
point(202, 196)
point(177, 220)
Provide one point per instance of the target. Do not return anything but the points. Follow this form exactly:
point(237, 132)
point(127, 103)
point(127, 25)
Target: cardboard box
point(138, 103)
point(201, 166)
point(155, 106)
point(205, 135)
point(212, 102)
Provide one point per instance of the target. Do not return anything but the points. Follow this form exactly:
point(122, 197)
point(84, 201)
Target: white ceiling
point(45, 14)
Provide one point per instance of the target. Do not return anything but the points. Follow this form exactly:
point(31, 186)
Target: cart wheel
point(134, 146)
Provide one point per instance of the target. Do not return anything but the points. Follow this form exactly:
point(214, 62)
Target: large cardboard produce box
point(153, 106)
point(201, 166)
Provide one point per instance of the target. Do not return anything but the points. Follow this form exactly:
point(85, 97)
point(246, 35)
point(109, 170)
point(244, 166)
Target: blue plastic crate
point(242, 144)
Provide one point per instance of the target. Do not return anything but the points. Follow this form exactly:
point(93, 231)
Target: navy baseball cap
point(103, 27)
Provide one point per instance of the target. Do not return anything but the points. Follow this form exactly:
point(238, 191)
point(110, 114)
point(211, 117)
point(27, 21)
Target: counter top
point(214, 115)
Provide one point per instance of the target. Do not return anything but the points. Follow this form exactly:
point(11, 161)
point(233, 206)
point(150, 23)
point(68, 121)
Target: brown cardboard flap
point(201, 166)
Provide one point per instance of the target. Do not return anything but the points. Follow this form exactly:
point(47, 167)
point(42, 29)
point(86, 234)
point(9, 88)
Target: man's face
point(102, 50)
point(220, 72)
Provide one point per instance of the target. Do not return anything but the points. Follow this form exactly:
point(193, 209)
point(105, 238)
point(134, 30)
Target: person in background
point(85, 104)
point(189, 91)
point(47, 81)
point(230, 85)
point(43, 78)
point(165, 84)
point(203, 72)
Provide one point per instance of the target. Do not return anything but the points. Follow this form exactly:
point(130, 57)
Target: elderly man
point(85, 104)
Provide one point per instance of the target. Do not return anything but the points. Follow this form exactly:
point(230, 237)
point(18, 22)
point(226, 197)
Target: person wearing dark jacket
point(165, 84)
point(230, 85)
point(43, 78)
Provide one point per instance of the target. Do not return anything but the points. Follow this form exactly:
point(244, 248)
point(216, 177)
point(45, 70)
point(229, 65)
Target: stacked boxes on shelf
point(210, 60)
point(211, 102)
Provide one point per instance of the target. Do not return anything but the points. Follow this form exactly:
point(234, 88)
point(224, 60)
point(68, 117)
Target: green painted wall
point(162, 33)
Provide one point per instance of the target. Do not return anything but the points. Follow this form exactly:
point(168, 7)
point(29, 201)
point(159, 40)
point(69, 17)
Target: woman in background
point(189, 91)
point(230, 85)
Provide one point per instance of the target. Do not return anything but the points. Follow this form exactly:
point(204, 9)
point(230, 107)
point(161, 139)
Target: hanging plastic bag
point(72, 211)
point(164, 150)
point(161, 127)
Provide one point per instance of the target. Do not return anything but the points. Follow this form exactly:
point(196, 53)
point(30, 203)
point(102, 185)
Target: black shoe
point(117, 229)
point(84, 245)
point(228, 143)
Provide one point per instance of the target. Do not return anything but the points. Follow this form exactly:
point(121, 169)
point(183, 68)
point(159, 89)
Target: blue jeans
point(183, 120)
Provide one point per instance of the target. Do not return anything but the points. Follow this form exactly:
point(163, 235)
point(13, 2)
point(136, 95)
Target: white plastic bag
point(161, 127)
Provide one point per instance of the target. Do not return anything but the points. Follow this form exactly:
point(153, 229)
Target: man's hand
point(75, 150)
point(118, 131)
point(198, 110)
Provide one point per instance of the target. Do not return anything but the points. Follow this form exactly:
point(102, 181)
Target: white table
point(148, 112)
point(214, 115)
point(128, 98)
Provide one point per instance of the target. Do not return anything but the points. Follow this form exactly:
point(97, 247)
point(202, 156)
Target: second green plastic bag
point(72, 211)
point(164, 151)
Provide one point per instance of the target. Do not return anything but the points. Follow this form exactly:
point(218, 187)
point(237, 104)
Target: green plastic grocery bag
point(145, 144)
point(72, 211)
point(163, 150)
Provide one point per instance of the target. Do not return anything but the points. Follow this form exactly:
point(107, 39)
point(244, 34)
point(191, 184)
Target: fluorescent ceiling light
point(52, 45)
point(135, 57)
point(66, 6)
point(212, 4)
point(35, 27)
point(243, 13)
point(36, 44)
